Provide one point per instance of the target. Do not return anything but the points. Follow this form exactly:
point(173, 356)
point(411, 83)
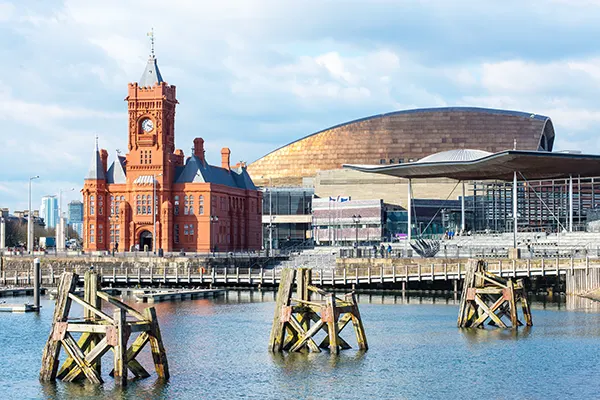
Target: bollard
point(37, 275)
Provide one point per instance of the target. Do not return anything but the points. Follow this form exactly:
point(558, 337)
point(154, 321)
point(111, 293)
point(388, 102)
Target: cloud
point(256, 74)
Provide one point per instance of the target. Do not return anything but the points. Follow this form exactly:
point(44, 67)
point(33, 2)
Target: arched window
point(201, 204)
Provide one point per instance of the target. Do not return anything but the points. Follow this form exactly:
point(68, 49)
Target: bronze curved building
point(403, 136)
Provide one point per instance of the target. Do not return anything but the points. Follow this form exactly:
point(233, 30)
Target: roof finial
point(151, 34)
point(96, 142)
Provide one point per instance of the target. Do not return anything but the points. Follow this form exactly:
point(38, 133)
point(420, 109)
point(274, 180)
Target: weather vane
point(151, 34)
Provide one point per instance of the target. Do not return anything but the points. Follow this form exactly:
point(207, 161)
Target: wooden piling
point(297, 320)
point(490, 297)
point(99, 333)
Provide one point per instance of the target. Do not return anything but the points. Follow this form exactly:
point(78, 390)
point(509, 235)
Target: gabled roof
point(116, 171)
point(96, 170)
point(151, 74)
point(194, 171)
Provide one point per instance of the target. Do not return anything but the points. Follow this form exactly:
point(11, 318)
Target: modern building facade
point(156, 198)
point(287, 216)
point(402, 137)
point(49, 211)
point(75, 216)
point(343, 222)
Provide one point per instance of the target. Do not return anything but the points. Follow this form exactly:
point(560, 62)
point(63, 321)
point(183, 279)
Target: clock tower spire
point(151, 107)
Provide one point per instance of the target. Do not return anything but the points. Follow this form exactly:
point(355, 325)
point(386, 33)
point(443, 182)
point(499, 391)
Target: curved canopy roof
point(534, 165)
point(455, 155)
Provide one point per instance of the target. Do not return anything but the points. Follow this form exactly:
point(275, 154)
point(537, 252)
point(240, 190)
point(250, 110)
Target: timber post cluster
point(99, 333)
point(487, 296)
point(299, 319)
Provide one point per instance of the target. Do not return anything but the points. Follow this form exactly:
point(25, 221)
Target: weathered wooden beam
point(483, 317)
point(120, 348)
point(284, 292)
point(91, 359)
point(483, 307)
point(50, 360)
point(77, 355)
point(307, 336)
point(87, 328)
point(117, 303)
point(90, 291)
point(359, 328)
point(512, 304)
point(91, 308)
point(69, 364)
point(302, 333)
point(331, 320)
point(159, 354)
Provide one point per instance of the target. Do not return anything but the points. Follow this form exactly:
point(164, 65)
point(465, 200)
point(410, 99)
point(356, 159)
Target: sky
point(253, 75)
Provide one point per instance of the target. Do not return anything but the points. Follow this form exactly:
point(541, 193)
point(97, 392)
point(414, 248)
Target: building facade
point(287, 217)
point(49, 211)
point(156, 198)
point(402, 137)
point(75, 216)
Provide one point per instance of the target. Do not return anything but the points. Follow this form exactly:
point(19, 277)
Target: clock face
point(147, 125)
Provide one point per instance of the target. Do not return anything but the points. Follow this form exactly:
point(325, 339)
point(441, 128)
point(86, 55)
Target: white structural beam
point(515, 208)
point(463, 226)
point(409, 209)
point(2, 233)
point(570, 203)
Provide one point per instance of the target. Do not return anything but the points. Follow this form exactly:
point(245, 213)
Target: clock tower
point(155, 198)
point(151, 106)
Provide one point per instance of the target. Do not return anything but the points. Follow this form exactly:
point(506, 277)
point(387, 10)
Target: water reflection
point(292, 363)
point(477, 335)
point(217, 349)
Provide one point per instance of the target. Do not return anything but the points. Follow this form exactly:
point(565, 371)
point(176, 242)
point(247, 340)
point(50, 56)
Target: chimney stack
point(199, 149)
point(225, 153)
point(104, 158)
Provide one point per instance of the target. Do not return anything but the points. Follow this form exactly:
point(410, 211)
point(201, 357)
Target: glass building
point(75, 216)
point(287, 213)
point(541, 205)
point(49, 211)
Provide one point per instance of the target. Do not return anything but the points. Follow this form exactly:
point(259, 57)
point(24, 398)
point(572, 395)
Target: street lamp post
point(29, 220)
point(270, 217)
point(356, 220)
point(154, 207)
point(61, 234)
point(213, 220)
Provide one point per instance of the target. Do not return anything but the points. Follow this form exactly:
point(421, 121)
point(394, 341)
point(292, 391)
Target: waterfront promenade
point(580, 274)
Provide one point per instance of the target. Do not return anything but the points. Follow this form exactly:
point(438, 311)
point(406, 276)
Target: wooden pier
point(488, 297)
point(580, 274)
point(17, 308)
point(298, 319)
point(98, 333)
point(151, 296)
point(14, 292)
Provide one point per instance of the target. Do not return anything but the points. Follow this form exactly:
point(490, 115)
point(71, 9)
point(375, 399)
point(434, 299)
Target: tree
point(16, 232)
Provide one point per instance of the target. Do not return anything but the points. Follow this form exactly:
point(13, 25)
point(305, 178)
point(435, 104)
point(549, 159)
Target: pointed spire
point(151, 74)
point(96, 170)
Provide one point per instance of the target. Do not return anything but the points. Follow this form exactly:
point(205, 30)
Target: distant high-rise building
point(75, 216)
point(49, 211)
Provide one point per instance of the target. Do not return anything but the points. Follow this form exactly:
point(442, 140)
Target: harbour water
point(217, 349)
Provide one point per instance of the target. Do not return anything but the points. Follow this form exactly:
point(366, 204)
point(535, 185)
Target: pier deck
point(163, 295)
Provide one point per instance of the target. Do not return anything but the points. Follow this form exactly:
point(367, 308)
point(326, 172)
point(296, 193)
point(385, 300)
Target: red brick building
point(196, 207)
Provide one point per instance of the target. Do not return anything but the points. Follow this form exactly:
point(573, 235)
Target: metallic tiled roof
point(195, 171)
point(96, 170)
point(116, 172)
point(151, 74)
